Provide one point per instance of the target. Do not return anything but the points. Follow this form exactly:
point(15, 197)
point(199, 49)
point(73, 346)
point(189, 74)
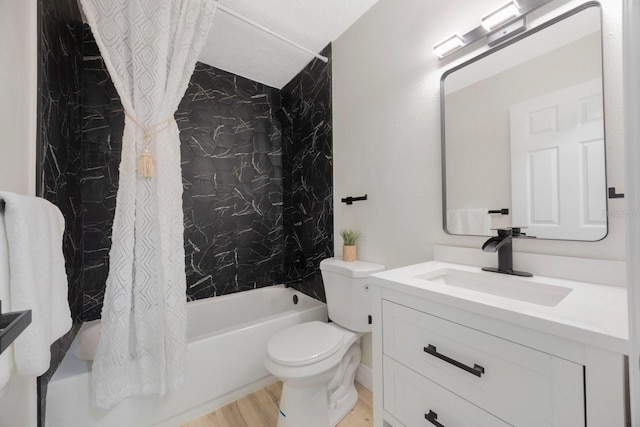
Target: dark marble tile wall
point(308, 176)
point(232, 172)
point(232, 176)
point(245, 220)
point(60, 124)
point(59, 147)
point(102, 127)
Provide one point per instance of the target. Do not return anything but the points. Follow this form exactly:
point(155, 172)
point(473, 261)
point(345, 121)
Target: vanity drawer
point(410, 397)
point(523, 386)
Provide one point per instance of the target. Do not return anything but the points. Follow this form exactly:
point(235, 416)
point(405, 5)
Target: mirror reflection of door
point(558, 188)
point(557, 164)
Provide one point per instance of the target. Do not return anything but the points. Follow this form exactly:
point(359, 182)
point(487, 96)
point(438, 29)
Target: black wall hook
point(614, 195)
point(349, 200)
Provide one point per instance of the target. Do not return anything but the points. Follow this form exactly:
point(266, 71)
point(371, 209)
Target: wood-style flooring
point(260, 409)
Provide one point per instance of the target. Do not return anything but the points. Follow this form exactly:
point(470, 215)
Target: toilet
point(317, 361)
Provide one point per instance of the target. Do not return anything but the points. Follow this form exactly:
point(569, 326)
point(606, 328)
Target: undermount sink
point(499, 285)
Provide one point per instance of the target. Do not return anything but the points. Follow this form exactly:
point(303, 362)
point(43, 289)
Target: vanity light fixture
point(501, 15)
point(500, 25)
point(448, 45)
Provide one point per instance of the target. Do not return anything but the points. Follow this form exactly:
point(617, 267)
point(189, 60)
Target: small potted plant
point(349, 239)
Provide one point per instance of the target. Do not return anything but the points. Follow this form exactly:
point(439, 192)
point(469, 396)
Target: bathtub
point(227, 340)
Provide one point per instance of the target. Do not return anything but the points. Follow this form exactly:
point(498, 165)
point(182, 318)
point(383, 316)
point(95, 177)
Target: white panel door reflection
point(558, 164)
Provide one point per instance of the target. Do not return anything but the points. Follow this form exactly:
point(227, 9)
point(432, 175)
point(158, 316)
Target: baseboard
point(364, 376)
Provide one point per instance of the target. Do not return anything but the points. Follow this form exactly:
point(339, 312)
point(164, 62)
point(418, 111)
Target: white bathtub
point(227, 342)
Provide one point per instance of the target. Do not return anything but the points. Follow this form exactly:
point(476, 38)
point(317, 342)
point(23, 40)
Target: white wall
point(18, 95)
point(18, 402)
point(632, 127)
point(386, 84)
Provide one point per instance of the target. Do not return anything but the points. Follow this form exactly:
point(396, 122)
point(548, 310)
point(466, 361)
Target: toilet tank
point(347, 290)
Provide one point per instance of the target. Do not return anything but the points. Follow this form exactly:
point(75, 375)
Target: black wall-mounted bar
point(499, 211)
point(12, 325)
point(349, 200)
point(614, 195)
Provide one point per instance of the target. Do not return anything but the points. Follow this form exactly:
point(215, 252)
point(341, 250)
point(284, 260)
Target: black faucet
point(502, 243)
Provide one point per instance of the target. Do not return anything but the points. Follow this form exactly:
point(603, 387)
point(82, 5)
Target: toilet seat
point(305, 344)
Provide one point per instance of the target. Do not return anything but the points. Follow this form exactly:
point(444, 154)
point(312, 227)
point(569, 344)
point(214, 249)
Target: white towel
point(476, 221)
point(38, 280)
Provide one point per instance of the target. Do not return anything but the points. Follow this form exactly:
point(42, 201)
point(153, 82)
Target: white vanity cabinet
point(445, 361)
point(517, 384)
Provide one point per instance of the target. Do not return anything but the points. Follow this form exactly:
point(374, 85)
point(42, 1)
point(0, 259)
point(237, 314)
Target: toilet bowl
point(317, 361)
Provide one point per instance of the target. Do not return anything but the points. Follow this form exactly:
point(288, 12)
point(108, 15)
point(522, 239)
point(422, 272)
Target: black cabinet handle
point(477, 370)
point(432, 417)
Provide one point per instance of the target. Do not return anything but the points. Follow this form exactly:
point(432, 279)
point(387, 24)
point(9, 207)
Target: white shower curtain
point(150, 48)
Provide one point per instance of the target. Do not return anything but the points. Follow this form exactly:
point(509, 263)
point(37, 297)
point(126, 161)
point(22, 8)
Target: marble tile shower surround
point(234, 168)
point(233, 171)
point(231, 150)
point(59, 148)
point(60, 120)
point(308, 176)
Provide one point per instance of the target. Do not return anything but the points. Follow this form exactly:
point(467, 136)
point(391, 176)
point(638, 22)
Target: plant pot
point(349, 253)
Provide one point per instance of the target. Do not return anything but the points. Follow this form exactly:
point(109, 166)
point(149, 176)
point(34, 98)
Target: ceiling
point(239, 48)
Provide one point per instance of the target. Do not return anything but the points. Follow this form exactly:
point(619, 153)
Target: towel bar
point(349, 200)
point(12, 325)
point(502, 211)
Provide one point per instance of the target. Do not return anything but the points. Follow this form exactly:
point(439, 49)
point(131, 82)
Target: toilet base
point(304, 407)
point(343, 395)
point(349, 401)
point(327, 403)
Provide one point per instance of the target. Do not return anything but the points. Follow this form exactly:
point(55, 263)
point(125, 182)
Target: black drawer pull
point(477, 370)
point(432, 417)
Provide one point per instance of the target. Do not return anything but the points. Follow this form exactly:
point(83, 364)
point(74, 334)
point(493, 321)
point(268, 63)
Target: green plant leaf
point(350, 237)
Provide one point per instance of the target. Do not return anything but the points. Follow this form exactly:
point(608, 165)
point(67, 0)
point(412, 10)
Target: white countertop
point(591, 314)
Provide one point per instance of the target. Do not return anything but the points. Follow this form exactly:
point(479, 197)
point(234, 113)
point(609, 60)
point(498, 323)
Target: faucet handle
point(510, 231)
point(503, 232)
point(517, 231)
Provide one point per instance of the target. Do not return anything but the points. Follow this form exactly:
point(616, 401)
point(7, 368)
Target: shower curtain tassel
point(146, 167)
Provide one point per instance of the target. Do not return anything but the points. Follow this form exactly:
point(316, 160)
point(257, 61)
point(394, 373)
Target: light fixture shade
point(448, 45)
point(500, 15)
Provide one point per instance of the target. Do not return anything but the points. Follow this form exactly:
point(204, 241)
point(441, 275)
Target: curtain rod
point(268, 31)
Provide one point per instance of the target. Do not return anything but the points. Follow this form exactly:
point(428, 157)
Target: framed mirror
point(523, 134)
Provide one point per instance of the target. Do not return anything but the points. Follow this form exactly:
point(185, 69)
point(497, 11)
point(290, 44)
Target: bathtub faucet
point(502, 243)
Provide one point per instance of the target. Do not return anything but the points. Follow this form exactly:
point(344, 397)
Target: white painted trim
point(631, 55)
point(19, 95)
point(604, 377)
point(18, 131)
point(364, 376)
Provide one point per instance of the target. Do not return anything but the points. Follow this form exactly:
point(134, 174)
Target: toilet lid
point(304, 344)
